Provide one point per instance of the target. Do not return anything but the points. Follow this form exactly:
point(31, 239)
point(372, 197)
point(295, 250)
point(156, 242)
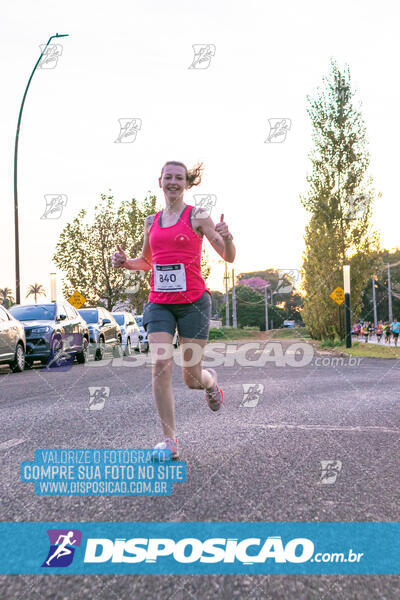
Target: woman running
point(178, 296)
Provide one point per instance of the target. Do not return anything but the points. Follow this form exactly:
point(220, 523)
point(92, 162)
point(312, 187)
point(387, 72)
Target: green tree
point(381, 288)
point(217, 302)
point(250, 309)
point(35, 289)
point(84, 252)
point(340, 200)
point(6, 297)
point(290, 301)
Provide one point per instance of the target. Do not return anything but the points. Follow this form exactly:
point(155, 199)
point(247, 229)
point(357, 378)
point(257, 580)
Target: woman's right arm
point(144, 261)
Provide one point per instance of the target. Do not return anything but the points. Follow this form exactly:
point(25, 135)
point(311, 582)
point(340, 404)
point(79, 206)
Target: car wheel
point(117, 350)
point(56, 346)
point(18, 364)
point(100, 350)
point(83, 356)
point(128, 349)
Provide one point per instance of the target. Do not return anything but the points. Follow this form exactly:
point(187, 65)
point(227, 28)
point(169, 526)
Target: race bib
point(169, 278)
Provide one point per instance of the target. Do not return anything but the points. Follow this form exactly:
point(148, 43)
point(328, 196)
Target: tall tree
point(340, 201)
point(35, 290)
point(84, 252)
point(6, 297)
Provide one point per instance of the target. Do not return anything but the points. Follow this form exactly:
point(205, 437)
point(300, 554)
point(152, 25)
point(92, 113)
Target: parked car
point(53, 333)
point(143, 342)
point(12, 341)
point(129, 329)
point(143, 339)
point(288, 324)
point(104, 332)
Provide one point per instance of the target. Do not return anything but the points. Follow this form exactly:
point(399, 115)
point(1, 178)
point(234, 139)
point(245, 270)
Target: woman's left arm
point(218, 235)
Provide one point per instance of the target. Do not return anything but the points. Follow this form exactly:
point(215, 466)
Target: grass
point(233, 333)
point(372, 350)
point(279, 334)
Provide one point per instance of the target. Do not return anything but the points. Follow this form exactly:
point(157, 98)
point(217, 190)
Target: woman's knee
point(162, 369)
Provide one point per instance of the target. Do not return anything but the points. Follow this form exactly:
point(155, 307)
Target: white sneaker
point(166, 447)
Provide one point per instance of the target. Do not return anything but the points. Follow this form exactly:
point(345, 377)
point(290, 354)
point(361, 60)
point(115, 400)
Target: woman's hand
point(222, 229)
point(118, 259)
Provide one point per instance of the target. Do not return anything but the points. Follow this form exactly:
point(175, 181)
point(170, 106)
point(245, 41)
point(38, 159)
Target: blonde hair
point(193, 176)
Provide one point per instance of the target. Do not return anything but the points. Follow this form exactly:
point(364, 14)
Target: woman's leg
point(194, 375)
point(160, 344)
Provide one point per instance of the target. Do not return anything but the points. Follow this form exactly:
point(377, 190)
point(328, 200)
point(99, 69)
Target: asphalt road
point(254, 462)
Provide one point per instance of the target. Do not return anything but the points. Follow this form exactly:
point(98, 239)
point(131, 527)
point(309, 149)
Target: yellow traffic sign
point(77, 299)
point(338, 295)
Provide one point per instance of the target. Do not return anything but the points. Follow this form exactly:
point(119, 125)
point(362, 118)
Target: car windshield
point(119, 319)
point(138, 321)
point(90, 315)
point(38, 312)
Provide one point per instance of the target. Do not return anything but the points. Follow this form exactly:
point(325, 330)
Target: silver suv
point(12, 341)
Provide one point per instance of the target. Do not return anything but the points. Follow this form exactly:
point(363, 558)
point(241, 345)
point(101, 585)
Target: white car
point(144, 343)
point(129, 329)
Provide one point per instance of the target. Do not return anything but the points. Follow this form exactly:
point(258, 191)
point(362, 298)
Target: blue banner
point(200, 547)
point(103, 472)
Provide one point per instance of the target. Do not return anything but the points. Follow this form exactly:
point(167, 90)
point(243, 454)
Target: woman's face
point(173, 181)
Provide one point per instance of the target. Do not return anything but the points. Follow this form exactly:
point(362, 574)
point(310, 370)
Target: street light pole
point(226, 297)
point(346, 282)
point(390, 295)
point(234, 314)
point(16, 227)
point(374, 302)
point(266, 307)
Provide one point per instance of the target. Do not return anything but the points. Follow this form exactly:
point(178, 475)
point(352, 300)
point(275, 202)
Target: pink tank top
point(176, 250)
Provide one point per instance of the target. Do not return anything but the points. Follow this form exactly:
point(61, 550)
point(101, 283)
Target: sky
point(130, 60)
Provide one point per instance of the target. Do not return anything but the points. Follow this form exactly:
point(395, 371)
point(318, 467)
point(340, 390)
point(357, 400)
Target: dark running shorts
point(395, 334)
point(192, 319)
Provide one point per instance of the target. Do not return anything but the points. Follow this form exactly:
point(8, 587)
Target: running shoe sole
point(215, 398)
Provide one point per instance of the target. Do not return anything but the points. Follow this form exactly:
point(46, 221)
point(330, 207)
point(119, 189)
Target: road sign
point(77, 299)
point(338, 295)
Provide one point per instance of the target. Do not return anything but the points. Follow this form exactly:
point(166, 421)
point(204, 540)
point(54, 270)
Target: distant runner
point(395, 331)
point(388, 332)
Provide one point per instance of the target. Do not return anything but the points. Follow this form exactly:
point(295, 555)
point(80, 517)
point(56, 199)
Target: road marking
point(350, 428)
point(10, 443)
